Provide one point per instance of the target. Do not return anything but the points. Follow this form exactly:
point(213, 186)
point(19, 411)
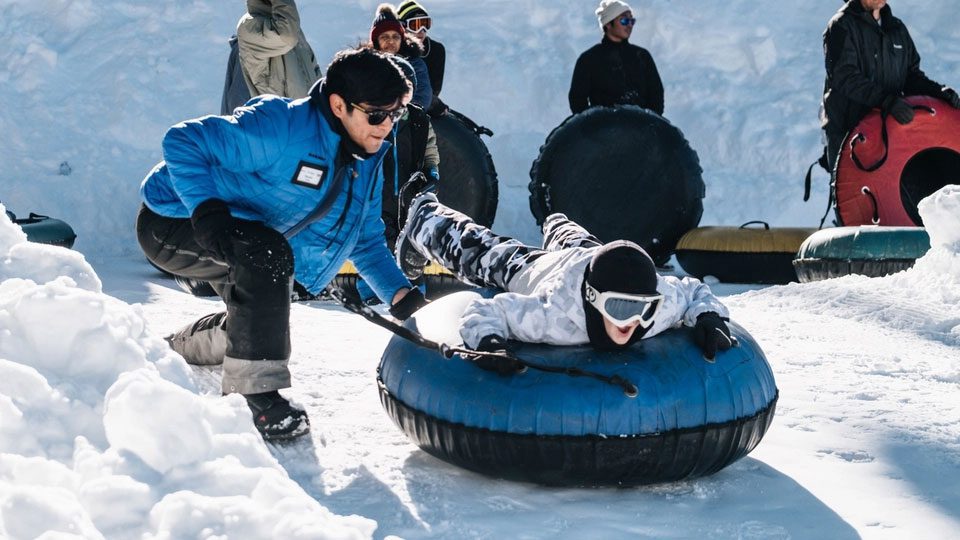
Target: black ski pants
point(256, 288)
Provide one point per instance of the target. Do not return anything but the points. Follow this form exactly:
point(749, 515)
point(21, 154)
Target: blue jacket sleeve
point(423, 93)
point(371, 256)
point(250, 141)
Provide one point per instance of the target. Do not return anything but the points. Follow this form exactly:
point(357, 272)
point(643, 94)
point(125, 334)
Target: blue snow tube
point(689, 418)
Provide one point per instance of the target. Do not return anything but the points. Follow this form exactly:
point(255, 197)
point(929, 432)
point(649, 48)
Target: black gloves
point(501, 365)
point(213, 227)
point(711, 334)
point(899, 109)
point(408, 305)
point(950, 96)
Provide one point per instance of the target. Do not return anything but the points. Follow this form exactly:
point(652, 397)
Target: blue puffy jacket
point(274, 161)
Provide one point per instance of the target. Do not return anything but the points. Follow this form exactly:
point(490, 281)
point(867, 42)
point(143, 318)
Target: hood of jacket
point(259, 7)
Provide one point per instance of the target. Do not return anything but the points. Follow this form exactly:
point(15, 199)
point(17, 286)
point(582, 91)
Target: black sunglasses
point(378, 116)
point(627, 21)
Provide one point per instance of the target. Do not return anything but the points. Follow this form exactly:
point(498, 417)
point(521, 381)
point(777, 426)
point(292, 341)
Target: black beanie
point(411, 10)
point(620, 266)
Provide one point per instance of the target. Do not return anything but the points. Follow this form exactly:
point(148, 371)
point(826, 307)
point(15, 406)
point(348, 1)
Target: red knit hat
point(386, 21)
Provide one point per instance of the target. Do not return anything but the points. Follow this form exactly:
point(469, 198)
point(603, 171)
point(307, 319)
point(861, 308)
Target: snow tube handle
point(885, 137)
point(766, 226)
point(876, 211)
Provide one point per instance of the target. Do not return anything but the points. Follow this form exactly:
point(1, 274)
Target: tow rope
point(519, 365)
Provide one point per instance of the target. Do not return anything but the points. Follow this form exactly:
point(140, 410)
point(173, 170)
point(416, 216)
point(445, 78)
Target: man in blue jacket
point(282, 189)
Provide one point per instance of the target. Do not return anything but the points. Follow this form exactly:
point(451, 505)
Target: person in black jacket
point(417, 21)
point(614, 71)
point(871, 62)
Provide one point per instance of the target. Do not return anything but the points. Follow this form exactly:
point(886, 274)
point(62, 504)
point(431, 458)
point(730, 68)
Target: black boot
point(275, 418)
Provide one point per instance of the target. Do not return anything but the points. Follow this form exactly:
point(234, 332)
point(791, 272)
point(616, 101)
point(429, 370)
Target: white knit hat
point(610, 10)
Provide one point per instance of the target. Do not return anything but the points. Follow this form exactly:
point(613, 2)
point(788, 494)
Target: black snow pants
point(252, 338)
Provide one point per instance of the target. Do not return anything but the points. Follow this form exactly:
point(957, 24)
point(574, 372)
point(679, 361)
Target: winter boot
point(203, 342)
point(409, 259)
point(275, 418)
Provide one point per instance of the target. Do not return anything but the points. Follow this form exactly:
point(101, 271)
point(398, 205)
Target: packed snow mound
point(40, 263)
point(106, 422)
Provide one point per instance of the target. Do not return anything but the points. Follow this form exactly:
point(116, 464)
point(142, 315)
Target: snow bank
point(103, 433)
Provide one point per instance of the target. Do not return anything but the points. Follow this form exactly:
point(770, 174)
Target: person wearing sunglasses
point(281, 189)
point(574, 290)
point(414, 158)
point(615, 72)
point(417, 21)
point(388, 35)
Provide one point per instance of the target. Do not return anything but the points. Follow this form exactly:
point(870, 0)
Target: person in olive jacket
point(871, 62)
point(616, 72)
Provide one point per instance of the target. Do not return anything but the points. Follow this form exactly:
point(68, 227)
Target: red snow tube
point(885, 169)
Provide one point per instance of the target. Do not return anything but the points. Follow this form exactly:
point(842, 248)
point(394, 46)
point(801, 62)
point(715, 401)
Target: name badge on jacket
point(309, 175)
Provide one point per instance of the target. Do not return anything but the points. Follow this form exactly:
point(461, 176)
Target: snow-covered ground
point(105, 433)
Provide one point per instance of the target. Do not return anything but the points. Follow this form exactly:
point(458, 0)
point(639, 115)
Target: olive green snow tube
point(742, 254)
point(437, 281)
point(867, 250)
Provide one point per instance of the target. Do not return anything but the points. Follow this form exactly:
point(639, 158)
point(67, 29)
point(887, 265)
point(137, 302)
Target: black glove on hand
point(900, 110)
point(213, 227)
point(408, 305)
point(711, 334)
point(498, 364)
point(950, 96)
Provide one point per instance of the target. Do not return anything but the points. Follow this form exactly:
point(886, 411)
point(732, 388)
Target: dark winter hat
point(386, 21)
point(620, 266)
point(411, 10)
point(624, 267)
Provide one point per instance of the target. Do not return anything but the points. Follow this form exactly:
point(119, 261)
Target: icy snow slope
point(93, 85)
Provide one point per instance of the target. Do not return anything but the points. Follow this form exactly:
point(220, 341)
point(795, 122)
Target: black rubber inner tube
point(622, 173)
point(468, 179)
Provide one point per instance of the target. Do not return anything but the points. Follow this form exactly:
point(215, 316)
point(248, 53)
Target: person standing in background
point(417, 21)
point(615, 72)
point(387, 35)
point(272, 52)
point(871, 62)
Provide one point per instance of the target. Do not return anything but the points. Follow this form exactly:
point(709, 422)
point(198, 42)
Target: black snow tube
point(622, 173)
point(468, 180)
point(865, 250)
point(45, 230)
point(742, 254)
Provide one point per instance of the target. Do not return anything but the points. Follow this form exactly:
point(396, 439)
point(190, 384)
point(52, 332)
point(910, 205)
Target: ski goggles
point(627, 21)
point(624, 309)
point(375, 117)
point(417, 24)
